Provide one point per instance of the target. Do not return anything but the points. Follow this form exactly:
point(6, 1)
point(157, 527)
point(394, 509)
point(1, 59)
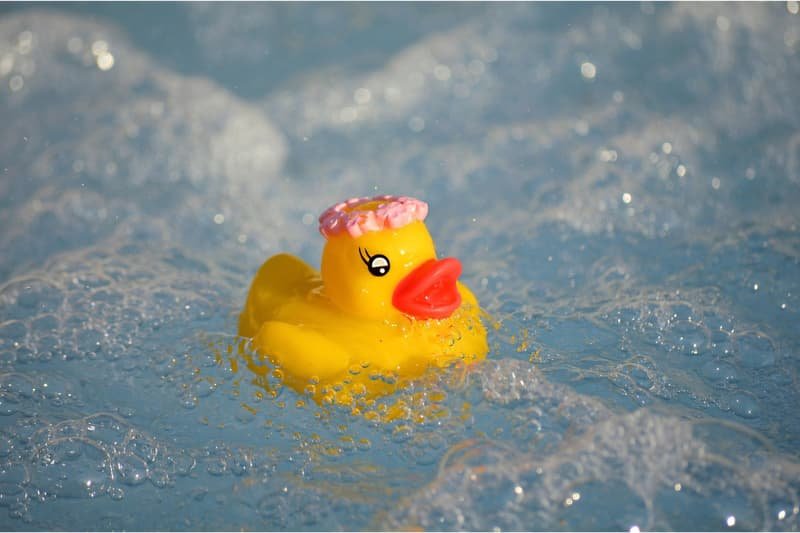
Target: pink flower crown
point(358, 216)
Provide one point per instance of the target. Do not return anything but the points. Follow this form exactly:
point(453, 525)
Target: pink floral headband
point(358, 216)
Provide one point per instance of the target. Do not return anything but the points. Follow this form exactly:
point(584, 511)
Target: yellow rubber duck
point(382, 310)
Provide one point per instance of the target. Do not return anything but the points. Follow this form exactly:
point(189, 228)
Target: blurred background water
point(621, 182)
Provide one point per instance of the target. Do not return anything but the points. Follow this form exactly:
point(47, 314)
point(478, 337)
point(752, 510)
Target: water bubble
point(159, 478)
point(744, 405)
point(719, 372)
point(12, 494)
point(691, 338)
point(204, 387)
point(347, 444)
point(12, 332)
point(93, 483)
point(64, 450)
point(188, 401)
point(16, 387)
point(588, 70)
point(180, 463)
point(362, 96)
point(416, 124)
point(6, 447)
point(131, 470)
point(7, 407)
point(144, 448)
point(240, 464)
point(441, 72)
point(426, 452)
point(754, 350)
point(105, 61)
point(16, 83)
point(57, 389)
point(612, 501)
point(217, 466)
point(106, 429)
point(401, 433)
point(89, 340)
point(32, 298)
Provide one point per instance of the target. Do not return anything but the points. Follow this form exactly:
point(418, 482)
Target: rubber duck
point(382, 309)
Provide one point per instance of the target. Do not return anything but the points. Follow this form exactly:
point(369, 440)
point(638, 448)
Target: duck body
point(383, 309)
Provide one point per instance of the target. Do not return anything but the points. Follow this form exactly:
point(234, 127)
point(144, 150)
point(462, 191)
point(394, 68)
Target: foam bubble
point(640, 455)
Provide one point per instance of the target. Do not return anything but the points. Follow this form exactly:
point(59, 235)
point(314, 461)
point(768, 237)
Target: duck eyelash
point(365, 259)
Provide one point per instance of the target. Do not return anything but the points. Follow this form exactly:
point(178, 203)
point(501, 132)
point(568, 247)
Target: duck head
point(379, 261)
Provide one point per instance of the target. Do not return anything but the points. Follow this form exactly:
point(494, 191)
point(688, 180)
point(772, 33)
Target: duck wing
point(281, 278)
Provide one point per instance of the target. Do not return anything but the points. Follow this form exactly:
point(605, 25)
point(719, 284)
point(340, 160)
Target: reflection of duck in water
point(384, 306)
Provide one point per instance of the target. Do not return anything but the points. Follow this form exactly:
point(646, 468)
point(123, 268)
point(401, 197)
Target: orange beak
point(430, 291)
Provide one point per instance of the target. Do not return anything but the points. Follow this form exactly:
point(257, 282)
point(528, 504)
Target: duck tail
point(280, 278)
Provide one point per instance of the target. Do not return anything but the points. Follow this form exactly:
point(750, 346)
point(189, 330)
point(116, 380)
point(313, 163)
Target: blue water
point(621, 183)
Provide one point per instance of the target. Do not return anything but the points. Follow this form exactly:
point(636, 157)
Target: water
point(620, 182)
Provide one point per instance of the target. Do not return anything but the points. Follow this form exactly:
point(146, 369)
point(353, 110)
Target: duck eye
point(378, 265)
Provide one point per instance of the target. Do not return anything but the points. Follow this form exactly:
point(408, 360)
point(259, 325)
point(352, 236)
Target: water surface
point(621, 183)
